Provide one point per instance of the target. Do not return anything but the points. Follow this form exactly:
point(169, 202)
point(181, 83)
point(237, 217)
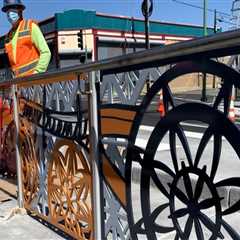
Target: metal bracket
point(86, 92)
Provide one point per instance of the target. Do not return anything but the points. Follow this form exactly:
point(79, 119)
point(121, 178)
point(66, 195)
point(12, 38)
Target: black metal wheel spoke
point(204, 141)
point(184, 141)
point(198, 229)
point(188, 227)
point(209, 224)
point(188, 185)
point(180, 195)
point(155, 214)
point(216, 155)
point(199, 186)
point(138, 227)
point(176, 237)
point(219, 98)
point(161, 166)
point(179, 213)
point(173, 150)
point(234, 208)
point(208, 203)
point(230, 230)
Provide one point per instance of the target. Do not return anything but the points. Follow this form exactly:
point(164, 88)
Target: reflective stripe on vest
point(24, 31)
point(26, 68)
point(26, 25)
point(24, 34)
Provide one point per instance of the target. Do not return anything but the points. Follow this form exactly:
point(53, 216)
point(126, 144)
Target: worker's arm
point(41, 44)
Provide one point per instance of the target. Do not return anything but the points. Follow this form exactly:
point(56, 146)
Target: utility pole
point(236, 13)
point(205, 17)
point(215, 21)
point(147, 8)
point(204, 82)
point(215, 31)
point(236, 21)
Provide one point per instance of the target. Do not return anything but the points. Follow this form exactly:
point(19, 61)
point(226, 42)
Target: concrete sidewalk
point(21, 227)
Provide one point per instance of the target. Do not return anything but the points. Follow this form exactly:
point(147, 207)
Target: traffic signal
point(80, 39)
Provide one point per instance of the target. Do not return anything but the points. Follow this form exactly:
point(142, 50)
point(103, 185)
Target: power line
point(224, 21)
point(199, 7)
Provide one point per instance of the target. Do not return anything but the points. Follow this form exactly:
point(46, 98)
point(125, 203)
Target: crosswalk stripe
point(187, 133)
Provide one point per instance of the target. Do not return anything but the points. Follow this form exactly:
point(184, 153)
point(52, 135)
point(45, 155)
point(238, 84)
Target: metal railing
point(80, 160)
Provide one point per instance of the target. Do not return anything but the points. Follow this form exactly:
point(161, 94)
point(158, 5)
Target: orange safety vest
point(27, 55)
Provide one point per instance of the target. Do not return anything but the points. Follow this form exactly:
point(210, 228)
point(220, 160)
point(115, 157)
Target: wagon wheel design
point(30, 163)
point(28, 157)
point(193, 206)
point(70, 187)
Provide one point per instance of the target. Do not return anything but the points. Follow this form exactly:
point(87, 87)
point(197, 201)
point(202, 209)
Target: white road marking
point(187, 133)
point(142, 143)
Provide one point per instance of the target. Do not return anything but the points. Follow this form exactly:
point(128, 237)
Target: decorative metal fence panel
point(60, 159)
point(56, 170)
point(189, 176)
point(91, 167)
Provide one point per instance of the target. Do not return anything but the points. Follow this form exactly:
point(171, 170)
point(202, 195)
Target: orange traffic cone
point(231, 113)
point(160, 108)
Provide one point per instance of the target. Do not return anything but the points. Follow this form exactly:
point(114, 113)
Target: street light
point(147, 9)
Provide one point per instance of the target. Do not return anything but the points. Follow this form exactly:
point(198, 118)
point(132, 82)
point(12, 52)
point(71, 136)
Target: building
point(72, 35)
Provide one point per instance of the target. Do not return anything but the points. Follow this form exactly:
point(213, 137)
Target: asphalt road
point(152, 116)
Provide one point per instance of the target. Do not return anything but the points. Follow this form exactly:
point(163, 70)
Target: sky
point(164, 10)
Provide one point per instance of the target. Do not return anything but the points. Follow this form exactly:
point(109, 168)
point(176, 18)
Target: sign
point(147, 8)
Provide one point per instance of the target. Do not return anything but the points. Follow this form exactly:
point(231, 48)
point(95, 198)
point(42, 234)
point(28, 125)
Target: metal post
point(204, 87)
point(147, 43)
point(215, 21)
point(147, 12)
point(204, 82)
point(18, 157)
point(205, 17)
point(133, 34)
point(94, 156)
point(215, 31)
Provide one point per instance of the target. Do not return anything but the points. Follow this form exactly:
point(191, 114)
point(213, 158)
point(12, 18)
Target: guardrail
point(79, 156)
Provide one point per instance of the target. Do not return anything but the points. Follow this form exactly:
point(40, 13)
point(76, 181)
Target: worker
point(25, 44)
point(28, 54)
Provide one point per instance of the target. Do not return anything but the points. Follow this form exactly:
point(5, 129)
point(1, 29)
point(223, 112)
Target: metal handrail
point(213, 46)
point(218, 45)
